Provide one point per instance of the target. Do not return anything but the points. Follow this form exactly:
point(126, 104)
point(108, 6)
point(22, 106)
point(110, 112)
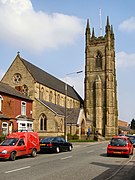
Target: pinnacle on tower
point(87, 33)
point(111, 29)
point(87, 27)
point(107, 24)
point(93, 33)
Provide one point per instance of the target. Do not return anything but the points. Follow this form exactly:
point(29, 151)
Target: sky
point(51, 35)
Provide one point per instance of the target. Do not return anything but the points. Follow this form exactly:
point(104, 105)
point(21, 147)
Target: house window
point(29, 126)
point(43, 122)
point(4, 128)
point(24, 125)
point(1, 99)
point(23, 108)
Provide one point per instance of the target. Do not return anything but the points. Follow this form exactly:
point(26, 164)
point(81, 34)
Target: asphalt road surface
point(87, 161)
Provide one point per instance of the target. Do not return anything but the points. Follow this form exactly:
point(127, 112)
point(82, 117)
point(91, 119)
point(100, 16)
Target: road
point(87, 161)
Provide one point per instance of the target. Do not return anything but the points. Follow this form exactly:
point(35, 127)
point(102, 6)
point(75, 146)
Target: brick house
point(123, 126)
point(15, 110)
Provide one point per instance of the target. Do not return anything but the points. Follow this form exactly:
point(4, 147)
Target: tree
point(133, 124)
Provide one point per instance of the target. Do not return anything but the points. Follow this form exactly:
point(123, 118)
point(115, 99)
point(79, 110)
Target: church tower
point(100, 101)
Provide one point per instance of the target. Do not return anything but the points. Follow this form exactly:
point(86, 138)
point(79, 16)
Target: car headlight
point(4, 152)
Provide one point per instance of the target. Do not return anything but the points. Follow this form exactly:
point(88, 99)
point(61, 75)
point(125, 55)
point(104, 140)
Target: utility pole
point(66, 90)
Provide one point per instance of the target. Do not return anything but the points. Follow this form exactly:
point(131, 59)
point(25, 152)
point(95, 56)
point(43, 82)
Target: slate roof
point(72, 113)
point(50, 81)
point(124, 128)
point(5, 88)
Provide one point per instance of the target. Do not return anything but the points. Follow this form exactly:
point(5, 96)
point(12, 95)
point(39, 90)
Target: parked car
point(120, 145)
point(132, 139)
point(55, 144)
point(20, 144)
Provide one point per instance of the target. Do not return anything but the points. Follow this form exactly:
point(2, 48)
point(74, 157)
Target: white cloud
point(125, 60)
point(128, 25)
point(77, 82)
point(23, 27)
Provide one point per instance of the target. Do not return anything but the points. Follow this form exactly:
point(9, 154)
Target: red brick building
point(15, 110)
point(123, 126)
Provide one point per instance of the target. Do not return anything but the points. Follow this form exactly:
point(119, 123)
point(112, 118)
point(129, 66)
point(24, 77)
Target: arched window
point(50, 96)
point(70, 103)
point(58, 99)
point(1, 99)
point(98, 60)
point(43, 122)
point(41, 93)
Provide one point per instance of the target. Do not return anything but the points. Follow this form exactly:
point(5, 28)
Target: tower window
point(98, 60)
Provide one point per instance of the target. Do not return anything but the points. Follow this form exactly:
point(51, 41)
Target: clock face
point(17, 78)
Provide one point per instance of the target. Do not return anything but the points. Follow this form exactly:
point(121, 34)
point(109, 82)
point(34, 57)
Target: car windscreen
point(9, 142)
point(48, 139)
point(118, 142)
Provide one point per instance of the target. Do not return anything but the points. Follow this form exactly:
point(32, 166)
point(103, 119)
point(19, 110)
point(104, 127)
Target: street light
point(66, 89)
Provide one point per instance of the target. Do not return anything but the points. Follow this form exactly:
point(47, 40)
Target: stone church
point(51, 103)
point(49, 100)
point(100, 101)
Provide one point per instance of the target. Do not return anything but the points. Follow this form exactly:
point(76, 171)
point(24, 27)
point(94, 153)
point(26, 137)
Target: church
point(57, 107)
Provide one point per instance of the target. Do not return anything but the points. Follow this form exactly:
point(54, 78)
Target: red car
point(20, 144)
point(120, 145)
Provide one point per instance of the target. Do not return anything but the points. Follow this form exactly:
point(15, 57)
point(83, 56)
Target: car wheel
point(57, 149)
point(108, 155)
point(128, 155)
point(13, 156)
point(34, 153)
point(70, 148)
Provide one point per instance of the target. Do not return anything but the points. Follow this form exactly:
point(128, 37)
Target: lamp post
point(66, 90)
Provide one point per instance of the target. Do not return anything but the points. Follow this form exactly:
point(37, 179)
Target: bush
point(72, 137)
point(2, 137)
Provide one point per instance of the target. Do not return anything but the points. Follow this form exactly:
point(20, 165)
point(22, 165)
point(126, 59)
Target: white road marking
point(17, 169)
point(90, 151)
point(66, 157)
